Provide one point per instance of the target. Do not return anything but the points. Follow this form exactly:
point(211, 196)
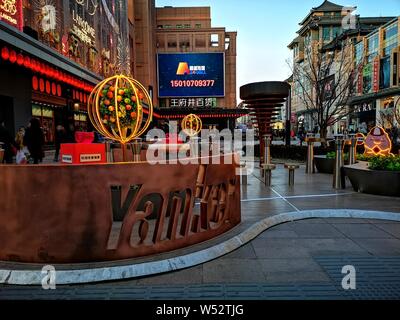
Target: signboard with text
point(191, 75)
point(193, 102)
point(11, 12)
point(375, 84)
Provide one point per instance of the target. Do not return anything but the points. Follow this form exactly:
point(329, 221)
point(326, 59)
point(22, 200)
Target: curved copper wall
point(104, 212)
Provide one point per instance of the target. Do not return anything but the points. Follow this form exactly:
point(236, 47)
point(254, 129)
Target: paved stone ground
point(297, 260)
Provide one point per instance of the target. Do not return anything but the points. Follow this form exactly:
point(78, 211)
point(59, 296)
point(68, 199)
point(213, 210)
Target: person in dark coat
point(34, 140)
point(8, 144)
point(61, 137)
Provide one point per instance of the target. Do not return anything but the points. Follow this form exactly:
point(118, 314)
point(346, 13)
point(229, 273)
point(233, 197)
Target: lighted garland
point(115, 108)
point(191, 124)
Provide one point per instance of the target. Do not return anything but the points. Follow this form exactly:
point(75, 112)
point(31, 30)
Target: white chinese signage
point(193, 103)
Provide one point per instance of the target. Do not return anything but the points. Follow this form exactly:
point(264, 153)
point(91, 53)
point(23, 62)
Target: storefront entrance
point(7, 113)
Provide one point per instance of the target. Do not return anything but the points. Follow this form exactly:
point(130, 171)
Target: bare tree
point(326, 80)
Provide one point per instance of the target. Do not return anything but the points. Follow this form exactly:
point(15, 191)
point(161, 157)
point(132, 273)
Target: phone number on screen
point(192, 83)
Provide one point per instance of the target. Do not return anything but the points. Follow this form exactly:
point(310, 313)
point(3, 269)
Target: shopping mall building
point(378, 86)
point(53, 52)
point(374, 46)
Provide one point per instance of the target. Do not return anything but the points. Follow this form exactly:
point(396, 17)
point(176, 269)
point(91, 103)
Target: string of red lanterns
point(203, 116)
point(43, 68)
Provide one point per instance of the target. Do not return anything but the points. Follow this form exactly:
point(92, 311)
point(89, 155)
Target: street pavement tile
point(380, 247)
point(347, 221)
point(361, 231)
point(393, 229)
point(332, 247)
point(278, 234)
point(279, 248)
point(244, 252)
point(310, 221)
point(290, 277)
point(232, 271)
point(289, 265)
point(377, 221)
point(186, 276)
point(316, 230)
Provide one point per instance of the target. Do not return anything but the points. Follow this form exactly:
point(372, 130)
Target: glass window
point(359, 52)
point(390, 38)
point(326, 33)
point(385, 73)
point(214, 40)
point(336, 31)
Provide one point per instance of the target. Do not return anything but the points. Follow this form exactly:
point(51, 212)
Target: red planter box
point(78, 153)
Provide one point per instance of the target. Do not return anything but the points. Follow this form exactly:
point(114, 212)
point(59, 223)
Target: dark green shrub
point(389, 163)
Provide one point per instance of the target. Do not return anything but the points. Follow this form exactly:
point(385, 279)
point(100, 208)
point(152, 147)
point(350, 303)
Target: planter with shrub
point(380, 176)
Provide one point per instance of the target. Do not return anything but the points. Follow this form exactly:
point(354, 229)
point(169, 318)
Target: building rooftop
point(326, 6)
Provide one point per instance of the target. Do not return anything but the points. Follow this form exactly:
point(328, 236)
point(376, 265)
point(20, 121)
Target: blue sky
point(266, 27)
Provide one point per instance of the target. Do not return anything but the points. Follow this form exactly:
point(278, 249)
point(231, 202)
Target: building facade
point(378, 88)
point(329, 29)
point(52, 54)
point(186, 38)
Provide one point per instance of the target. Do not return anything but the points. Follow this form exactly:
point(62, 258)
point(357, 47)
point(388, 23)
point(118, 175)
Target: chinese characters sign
point(375, 86)
point(11, 12)
point(193, 103)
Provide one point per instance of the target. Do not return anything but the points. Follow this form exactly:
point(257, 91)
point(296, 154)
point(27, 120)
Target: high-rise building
point(188, 65)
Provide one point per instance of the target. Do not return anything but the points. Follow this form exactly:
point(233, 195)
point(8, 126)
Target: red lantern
point(48, 87)
point(59, 92)
point(35, 83)
point(5, 53)
point(20, 59)
point(27, 62)
point(41, 85)
point(33, 65)
point(53, 89)
point(13, 56)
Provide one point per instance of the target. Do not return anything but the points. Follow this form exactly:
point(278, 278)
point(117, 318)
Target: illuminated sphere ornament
point(191, 125)
point(115, 108)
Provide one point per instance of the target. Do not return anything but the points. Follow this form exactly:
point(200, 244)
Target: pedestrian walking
point(61, 137)
point(9, 145)
point(34, 140)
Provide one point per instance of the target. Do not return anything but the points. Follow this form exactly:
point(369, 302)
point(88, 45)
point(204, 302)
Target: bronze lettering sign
point(104, 212)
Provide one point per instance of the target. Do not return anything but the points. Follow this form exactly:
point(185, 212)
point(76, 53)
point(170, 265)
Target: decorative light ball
point(191, 125)
point(115, 108)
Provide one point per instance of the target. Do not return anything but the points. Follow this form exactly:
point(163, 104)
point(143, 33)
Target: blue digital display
point(191, 75)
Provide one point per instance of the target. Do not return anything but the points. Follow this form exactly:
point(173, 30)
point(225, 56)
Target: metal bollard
point(267, 151)
point(243, 171)
point(310, 154)
point(353, 149)
point(136, 146)
point(339, 161)
point(109, 153)
point(291, 177)
point(267, 168)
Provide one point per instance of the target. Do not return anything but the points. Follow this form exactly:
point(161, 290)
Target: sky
point(266, 27)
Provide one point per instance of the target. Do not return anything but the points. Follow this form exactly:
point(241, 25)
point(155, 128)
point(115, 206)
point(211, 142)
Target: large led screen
point(191, 75)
